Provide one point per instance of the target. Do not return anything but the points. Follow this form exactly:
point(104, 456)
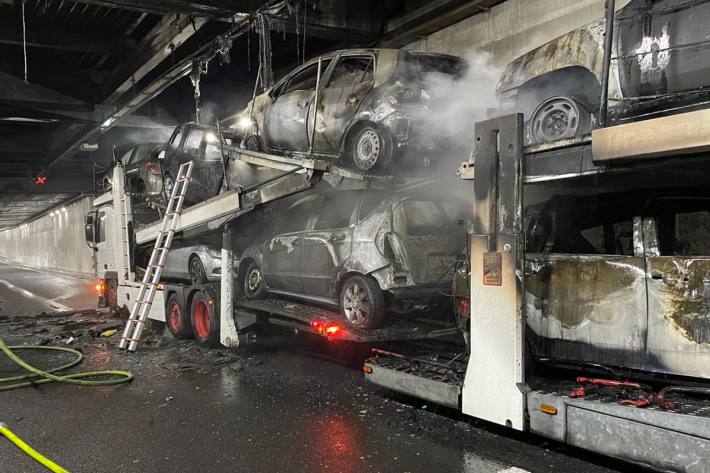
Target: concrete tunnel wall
point(53, 241)
point(512, 28)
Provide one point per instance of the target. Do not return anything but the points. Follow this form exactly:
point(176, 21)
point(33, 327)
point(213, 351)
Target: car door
point(281, 254)
point(327, 243)
point(212, 167)
point(663, 47)
point(585, 290)
point(352, 78)
point(678, 279)
point(285, 118)
point(192, 150)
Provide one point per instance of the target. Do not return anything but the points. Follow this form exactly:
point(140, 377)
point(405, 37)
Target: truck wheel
point(197, 271)
point(177, 320)
point(205, 323)
point(362, 302)
point(252, 143)
point(253, 281)
point(370, 148)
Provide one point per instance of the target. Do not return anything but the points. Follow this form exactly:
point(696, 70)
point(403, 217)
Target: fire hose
point(31, 452)
point(36, 377)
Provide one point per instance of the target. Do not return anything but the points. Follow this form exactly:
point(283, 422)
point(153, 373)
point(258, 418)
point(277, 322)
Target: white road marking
point(32, 295)
point(473, 463)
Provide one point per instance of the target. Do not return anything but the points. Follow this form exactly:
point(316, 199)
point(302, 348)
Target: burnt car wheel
point(177, 320)
point(197, 271)
point(252, 143)
point(168, 184)
point(362, 302)
point(370, 147)
point(559, 118)
point(253, 281)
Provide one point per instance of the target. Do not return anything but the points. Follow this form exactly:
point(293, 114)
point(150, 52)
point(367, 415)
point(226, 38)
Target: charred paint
point(682, 295)
point(575, 289)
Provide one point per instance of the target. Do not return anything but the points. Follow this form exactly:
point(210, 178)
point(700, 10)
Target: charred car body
point(660, 64)
point(143, 171)
point(622, 280)
point(363, 251)
point(367, 100)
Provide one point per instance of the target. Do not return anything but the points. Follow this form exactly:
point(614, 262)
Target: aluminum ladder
point(151, 278)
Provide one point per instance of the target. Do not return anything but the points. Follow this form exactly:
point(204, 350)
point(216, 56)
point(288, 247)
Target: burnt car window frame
point(340, 199)
point(666, 221)
point(324, 75)
point(176, 138)
point(188, 135)
point(297, 206)
point(372, 65)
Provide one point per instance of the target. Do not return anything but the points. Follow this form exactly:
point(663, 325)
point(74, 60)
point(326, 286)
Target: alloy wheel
point(356, 304)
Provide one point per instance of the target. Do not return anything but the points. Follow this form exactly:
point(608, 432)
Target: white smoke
point(456, 105)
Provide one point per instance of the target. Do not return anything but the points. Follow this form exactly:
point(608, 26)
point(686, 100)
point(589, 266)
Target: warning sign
point(492, 269)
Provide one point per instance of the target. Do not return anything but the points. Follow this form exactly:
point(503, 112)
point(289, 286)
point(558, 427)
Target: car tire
point(362, 302)
point(168, 184)
point(205, 320)
point(252, 143)
point(252, 283)
point(370, 148)
point(177, 320)
point(559, 118)
point(196, 270)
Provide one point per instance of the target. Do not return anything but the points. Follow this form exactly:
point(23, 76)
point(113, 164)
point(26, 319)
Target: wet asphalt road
point(286, 405)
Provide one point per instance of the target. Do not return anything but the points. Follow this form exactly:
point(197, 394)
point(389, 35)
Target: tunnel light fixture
point(210, 137)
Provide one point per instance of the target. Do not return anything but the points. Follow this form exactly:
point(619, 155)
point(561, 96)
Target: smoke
point(457, 104)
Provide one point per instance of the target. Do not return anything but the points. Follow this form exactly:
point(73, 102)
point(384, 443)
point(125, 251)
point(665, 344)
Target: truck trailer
point(629, 387)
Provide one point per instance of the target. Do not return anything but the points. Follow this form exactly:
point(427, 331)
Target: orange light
point(367, 369)
point(331, 330)
point(99, 287)
point(548, 409)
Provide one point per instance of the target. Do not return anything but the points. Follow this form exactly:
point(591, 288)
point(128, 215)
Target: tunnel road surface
point(287, 404)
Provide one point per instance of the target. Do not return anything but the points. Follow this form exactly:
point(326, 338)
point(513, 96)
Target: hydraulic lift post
point(228, 335)
point(493, 387)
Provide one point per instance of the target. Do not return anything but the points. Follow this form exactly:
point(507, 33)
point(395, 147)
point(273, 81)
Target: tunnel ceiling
point(94, 67)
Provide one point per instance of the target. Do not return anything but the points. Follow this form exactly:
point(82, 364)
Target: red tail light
point(463, 307)
point(153, 168)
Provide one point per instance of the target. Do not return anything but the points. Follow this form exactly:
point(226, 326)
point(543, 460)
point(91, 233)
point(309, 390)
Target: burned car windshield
point(412, 66)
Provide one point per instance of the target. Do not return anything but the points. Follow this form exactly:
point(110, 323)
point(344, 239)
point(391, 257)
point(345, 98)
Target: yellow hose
point(38, 457)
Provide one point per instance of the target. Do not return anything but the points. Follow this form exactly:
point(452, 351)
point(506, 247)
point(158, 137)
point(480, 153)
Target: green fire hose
point(37, 376)
point(48, 376)
point(34, 454)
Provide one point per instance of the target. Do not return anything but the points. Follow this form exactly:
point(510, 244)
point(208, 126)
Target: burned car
point(368, 101)
point(622, 280)
point(363, 251)
point(195, 263)
point(143, 171)
point(200, 143)
point(660, 64)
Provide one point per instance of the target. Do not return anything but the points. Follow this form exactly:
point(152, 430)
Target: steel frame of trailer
point(494, 387)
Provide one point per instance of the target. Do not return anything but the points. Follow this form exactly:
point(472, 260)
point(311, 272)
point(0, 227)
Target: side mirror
point(161, 155)
point(90, 230)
